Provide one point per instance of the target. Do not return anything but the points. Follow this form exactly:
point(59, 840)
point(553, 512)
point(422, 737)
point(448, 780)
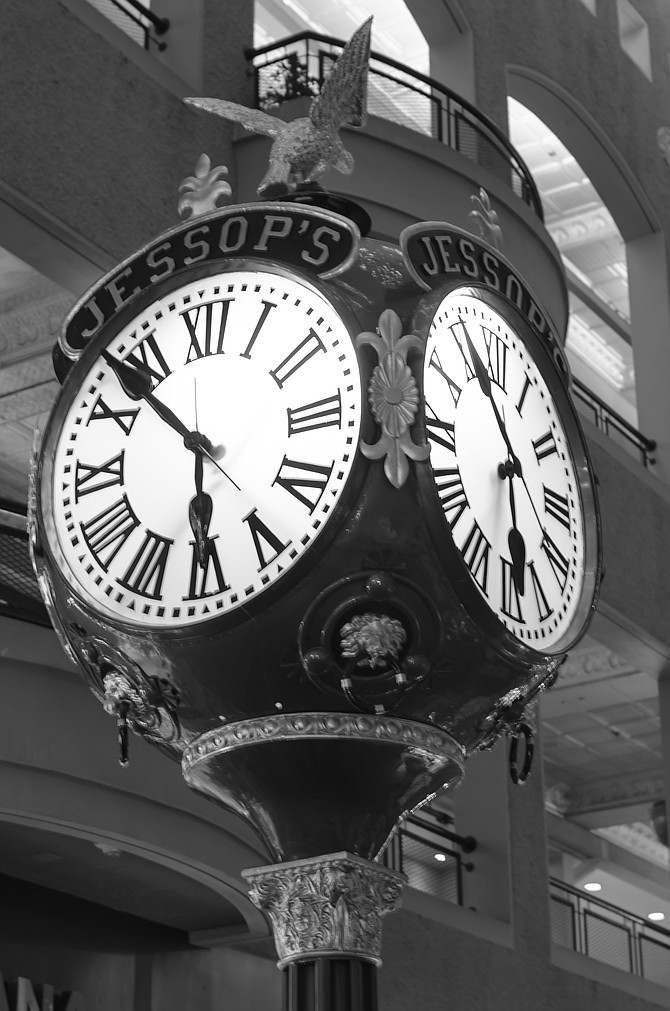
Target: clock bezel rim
point(480, 612)
point(230, 617)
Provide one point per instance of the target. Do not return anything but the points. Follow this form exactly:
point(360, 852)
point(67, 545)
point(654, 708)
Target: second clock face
point(204, 448)
point(504, 469)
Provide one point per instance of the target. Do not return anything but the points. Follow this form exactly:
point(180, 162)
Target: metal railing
point(613, 425)
point(431, 856)
point(19, 595)
point(136, 20)
point(298, 66)
point(609, 934)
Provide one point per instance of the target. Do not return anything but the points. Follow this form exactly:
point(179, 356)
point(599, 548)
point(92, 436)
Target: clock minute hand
point(137, 386)
point(484, 381)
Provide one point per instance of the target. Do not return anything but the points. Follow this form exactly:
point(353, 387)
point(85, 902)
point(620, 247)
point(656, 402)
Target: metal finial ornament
point(202, 192)
point(307, 147)
point(486, 219)
point(394, 398)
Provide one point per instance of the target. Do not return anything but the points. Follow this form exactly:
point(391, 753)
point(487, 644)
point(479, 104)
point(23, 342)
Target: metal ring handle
point(521, 775)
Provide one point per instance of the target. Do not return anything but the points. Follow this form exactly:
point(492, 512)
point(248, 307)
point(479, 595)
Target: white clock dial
point(503, 468)
point(204, 447)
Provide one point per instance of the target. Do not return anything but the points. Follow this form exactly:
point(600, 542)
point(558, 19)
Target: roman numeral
point(263, 538)
point(559, 563)
point(441, 432)
point(267, 308)
point(301, 354)
point(106, 533)
point(200, 323)
point(475, 552)
point(469, 368)
point(89, 478)
point(437, 365)
point(452, 494)
point(556, 505)
point(148, 358)
point(496, 351)
point(124, 418)
point(206, 580)
point(145, 573)
point(511, 600)
point(545, 445)
point(526, 387)
point(316, 483)
point(544, 608)
point(319, 414)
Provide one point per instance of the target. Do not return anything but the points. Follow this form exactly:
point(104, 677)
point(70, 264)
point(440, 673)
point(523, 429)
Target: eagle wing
point(250, 119)
point(344, 96)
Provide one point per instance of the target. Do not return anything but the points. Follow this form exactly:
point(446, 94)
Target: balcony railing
point(136, 20)
point(297, 66)
point(19, 595)
point(609, 934)
point(613, 425)
point(431, 856)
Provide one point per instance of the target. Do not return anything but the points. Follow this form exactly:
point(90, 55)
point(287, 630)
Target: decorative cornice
point(30, 321)
point(438, 745)
point(603, 794)
point(326, 906)
point(592, 664)
point(582, 228)
point(637, 838)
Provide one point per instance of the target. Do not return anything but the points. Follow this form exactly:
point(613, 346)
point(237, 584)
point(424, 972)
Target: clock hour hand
point(200, 514)
point(515, 541)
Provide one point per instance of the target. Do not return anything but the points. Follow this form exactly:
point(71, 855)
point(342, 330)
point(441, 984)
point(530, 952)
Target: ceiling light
point(593, 886)
point(655, 916)
point(440, 857)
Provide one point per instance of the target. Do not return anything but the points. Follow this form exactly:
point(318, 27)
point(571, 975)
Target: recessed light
point(593, 886)
point(440, 857)
point(655, 916)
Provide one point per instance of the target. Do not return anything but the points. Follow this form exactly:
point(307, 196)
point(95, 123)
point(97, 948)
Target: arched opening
point(634, 351)
point(599, 341)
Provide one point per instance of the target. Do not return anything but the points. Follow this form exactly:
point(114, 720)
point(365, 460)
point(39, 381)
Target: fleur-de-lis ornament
point(203, 192)
point(486, 219)
point(394, 398)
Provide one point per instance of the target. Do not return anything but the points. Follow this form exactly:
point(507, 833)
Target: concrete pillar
point(481, 810)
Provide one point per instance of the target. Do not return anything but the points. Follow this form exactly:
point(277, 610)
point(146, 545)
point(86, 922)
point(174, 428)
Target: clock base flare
point(311, 783)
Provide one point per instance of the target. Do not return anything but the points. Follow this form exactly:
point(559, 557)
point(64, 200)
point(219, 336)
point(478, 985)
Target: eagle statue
point(305, 148)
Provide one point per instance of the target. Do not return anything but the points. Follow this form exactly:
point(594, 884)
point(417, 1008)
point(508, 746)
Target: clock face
point(202, 448)
point(511, 489)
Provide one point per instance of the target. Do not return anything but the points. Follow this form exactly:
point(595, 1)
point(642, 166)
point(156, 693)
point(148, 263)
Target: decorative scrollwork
point(146, 705)
point(435, 745)
point(394, 398)
point(326, 906)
